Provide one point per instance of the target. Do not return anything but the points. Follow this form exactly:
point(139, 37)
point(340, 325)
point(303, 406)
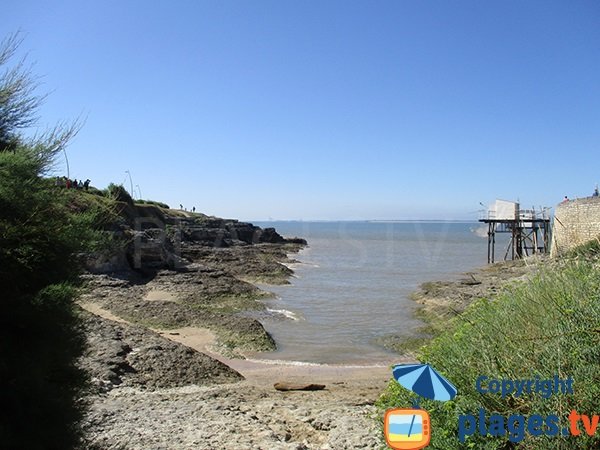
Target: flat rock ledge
point(123, 355)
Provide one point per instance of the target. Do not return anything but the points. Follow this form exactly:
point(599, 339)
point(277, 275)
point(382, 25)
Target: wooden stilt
point(529, 233)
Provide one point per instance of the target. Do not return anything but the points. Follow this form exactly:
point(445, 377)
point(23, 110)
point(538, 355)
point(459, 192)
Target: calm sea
point(352, 284)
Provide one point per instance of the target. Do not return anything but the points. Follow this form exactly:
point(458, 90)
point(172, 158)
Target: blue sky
point(324, 109)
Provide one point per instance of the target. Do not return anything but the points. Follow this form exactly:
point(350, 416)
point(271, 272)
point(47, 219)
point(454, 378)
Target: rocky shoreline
point(440, 301)
point(166, 348)
point(242, 415)
point(171, 269)
point(166, 345)
point(125, 355)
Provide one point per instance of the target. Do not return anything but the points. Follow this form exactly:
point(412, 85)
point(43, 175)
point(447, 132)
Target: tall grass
point(547, 326)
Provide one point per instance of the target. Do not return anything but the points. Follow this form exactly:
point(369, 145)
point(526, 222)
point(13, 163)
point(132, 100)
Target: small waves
point(285, 313)
point(281, 362)
point(299, 264)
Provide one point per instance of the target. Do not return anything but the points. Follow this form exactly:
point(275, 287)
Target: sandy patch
point(200, 339)
point(95, 308)
point(156, 295)
point(263, 372)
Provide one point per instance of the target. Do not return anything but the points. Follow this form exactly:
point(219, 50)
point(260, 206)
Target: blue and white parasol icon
point(425, 381)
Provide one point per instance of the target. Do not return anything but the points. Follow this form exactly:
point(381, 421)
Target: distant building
point(529, 229)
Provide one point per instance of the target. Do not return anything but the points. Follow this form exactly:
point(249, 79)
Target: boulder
point(269, 235)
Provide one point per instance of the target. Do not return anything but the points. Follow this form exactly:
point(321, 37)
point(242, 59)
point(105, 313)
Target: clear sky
point(324, 109)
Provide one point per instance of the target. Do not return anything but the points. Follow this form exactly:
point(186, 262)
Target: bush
point(589, 250)
point(95, 191)
point(546, 326)
point(119, 193)
point(40, 341)
point(42, 230)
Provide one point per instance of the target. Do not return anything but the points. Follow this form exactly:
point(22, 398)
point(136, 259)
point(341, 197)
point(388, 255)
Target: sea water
point(351, 285)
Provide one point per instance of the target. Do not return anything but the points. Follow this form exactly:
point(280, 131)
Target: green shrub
point(40, 341)
point(96, 191)
point(543, 327)
point(119, 193)
point(42, 231)
point(588, 250)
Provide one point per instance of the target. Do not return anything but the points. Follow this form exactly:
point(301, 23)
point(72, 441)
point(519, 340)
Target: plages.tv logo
point(410, 428)
point(407, 429)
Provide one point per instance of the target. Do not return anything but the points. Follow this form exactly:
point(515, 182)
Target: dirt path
point(98, 310)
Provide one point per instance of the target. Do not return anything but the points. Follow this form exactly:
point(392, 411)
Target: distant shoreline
point(441, 300)
point(366, 221)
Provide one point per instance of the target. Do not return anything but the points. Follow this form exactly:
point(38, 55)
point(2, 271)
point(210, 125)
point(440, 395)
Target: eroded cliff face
point(149, 238)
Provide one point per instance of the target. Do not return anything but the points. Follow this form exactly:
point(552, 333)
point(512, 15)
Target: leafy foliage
point(119, 193)
point(43, 229)
point(17, 101)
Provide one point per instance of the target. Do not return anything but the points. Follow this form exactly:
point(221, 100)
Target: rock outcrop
point(150, 238)
point(132, 356)
point(173, 270)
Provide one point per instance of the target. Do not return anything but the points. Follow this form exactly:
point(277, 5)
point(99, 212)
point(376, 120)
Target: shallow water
point(352, 285)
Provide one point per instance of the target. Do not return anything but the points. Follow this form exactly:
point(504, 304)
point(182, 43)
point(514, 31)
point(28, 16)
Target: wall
point(575, 222)
point(504, 210)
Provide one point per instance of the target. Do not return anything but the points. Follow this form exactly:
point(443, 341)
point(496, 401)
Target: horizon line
point(366, 220)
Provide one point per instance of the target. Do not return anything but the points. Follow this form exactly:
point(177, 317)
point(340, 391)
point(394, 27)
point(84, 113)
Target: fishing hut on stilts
point(529, 229)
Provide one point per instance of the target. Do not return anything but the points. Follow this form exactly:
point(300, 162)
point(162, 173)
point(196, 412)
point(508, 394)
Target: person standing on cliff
point(566, 199)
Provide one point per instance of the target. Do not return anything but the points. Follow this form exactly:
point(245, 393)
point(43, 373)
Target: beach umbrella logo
point(425, 381)
point(410, 429)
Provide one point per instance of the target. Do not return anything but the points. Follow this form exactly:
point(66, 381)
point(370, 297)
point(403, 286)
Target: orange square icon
point(407, 429)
